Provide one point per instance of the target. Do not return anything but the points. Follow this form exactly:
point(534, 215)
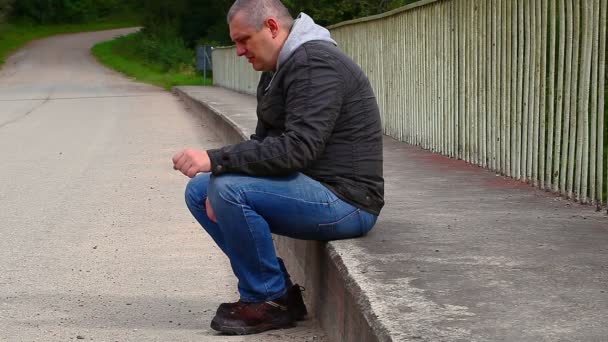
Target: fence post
point(203, 60)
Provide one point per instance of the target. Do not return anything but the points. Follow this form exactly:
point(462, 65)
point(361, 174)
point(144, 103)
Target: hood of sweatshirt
point(303, 30)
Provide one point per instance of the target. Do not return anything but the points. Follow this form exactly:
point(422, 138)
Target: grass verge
point(121, 55)
point(13, 36)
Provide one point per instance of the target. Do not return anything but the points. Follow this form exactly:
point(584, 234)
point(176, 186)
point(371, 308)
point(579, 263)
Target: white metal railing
point(516, 86)
point(233, 72)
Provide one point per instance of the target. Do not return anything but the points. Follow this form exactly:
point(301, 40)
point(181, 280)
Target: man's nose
point(240, 50)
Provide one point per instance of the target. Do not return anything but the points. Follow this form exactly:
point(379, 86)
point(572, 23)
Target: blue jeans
point(248, 209)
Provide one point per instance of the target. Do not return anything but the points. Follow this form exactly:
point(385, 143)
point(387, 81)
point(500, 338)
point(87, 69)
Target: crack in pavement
point(20, 117)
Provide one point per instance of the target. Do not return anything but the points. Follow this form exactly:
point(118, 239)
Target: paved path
point(96, 240)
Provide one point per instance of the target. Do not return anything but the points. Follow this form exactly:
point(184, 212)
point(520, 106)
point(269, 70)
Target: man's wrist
point(216, 161)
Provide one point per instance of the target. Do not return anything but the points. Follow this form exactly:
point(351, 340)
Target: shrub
point(163, 49)
point(5, 8)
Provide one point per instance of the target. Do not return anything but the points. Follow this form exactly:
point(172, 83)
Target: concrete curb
point(333, 293)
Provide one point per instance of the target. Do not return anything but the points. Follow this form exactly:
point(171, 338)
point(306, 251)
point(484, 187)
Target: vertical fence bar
point(521, 63)
point(418, 86)
point(574, 96)
point(459, 56)
point(474, 115)
point(468, 84)
point(411, 79)
point(420, 80)
point(454, 16)
point(463, 24)
point(404, 107)
point(445, 17)
point(534, 86)
point(551, 93)
point(603, 160)
point(594, 94)
point(507, 54)
point(496, 78)
point(511, 132)
point(567, 96)
point(544, 12)
point(486, 116)
point(449, 93)
point(532, 110)
point(582, 138)
point(436, 100)
point(538, 95)
point(491, 59)
point(428, 80)
point(560, 91)
point(526, 127)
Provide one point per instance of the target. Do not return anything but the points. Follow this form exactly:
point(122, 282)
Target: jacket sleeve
point(313, 99)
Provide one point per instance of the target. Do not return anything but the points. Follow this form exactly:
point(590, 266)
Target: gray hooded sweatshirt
point(303, 30)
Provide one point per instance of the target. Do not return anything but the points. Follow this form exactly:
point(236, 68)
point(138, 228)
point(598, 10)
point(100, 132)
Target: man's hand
point(190, 162)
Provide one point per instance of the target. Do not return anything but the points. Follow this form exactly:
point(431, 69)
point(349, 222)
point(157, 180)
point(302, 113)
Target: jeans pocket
point(349, 226)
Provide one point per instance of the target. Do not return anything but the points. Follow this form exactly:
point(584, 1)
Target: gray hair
point(259, 10)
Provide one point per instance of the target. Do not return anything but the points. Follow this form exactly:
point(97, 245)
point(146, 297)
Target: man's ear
point(273, 25)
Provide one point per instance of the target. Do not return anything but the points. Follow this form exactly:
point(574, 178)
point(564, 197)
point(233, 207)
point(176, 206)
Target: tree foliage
point(190, 19)
point(326, 12)
point(194, 20)
point(5, 8)
point(68, 11)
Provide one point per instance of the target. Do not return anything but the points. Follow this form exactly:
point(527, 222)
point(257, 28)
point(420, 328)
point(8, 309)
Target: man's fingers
point(181, 161)
point(176, 157)
point(190, 162)
point(192, 171)
point(185, 167)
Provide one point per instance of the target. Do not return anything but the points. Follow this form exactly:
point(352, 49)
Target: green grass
point(13, 36)
point(120, 54)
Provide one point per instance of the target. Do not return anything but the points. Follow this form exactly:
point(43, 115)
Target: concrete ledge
point(458, 254)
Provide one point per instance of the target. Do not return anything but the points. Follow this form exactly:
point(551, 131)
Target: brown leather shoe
point(251, 318)
point(295, 304)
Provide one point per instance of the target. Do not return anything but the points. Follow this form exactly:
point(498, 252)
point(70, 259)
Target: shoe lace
point(277, 305)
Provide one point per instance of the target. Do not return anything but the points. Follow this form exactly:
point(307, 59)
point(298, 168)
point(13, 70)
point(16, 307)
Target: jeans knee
point(225, 187)
point(196, 191)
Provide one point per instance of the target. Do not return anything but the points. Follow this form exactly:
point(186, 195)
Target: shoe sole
point(297, 314)
point(256, 329)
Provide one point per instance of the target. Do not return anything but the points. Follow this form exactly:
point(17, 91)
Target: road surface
point(97, 243)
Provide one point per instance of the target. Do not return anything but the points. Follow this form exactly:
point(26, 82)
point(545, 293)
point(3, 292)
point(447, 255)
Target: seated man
point(312, 170)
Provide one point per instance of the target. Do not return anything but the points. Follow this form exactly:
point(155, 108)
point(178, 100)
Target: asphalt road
point(96, 242)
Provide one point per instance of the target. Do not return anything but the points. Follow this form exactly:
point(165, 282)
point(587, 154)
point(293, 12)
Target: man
point(312, 170)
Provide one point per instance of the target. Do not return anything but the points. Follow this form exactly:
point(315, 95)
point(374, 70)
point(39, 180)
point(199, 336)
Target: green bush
point(123, 55)
point(166, 49)
point(5, 8)
point(163, 49)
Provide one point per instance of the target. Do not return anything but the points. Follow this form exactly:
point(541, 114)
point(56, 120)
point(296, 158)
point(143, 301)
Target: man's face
point(259, 47)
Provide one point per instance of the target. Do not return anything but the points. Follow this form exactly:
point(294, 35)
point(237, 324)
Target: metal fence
point(516, 86)
point(204, 62)
point(233, 72)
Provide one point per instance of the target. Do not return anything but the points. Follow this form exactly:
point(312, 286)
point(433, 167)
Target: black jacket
point(318, 116)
